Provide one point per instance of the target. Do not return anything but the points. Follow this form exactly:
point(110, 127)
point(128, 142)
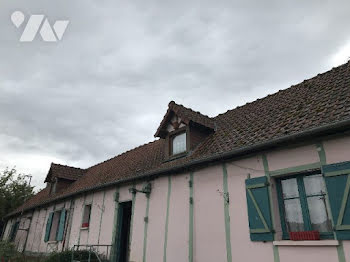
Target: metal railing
point(94, 253)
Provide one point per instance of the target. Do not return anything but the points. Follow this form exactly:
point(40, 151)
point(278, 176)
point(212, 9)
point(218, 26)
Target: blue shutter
point(338, 186)
point(61, 225)
point(48, 227)
point(11, 232)
point(259, 215)
point(14, 230)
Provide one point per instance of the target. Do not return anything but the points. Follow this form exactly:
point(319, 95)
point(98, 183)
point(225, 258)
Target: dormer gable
point(61, 176)
point(183, 129)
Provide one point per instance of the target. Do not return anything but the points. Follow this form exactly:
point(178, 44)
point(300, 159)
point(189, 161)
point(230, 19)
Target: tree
point(14, 191)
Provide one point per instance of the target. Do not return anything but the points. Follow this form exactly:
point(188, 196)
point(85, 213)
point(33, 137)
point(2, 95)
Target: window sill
point(306, 243)
point(52, 242)
point(84, 228)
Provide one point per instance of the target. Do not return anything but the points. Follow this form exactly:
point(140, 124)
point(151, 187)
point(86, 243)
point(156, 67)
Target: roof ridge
point(52, 163)
point(286, 89)
point(173, 103)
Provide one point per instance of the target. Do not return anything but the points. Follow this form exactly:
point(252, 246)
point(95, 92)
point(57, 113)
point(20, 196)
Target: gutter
point(311, 133)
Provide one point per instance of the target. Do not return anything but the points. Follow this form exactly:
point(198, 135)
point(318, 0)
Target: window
point(86, 216)
point(303, 204)
point(55, 226)
point(178, 144)
point(13, 232)
point(53, 186)
point(302, 201)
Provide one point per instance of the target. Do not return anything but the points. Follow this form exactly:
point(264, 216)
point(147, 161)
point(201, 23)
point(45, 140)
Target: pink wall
point(319, 254)
point(209, 221)
point(97, 208)
point(22, 234)
point(156, 224)
point(280, 159)
point(242, 248)
point(136, 252)
point(124, 194)
point(252, 166)
point(39, 231)
point(337, 150)
point(67, 206)
point(107, 218)
point(347, 250)
point(209, 226)
point(32, 230)
point(76, 221)
point(178, 225)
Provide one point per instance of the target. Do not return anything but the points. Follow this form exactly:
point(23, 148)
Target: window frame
point(53, 186)
point(174, 134)
point(59, 213)
point(83, 222)
point(56, 213)
point(13, 231)
point(303, 204)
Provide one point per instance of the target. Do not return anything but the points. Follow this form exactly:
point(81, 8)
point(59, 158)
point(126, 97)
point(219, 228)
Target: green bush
point(66, 256)
point(8, 251)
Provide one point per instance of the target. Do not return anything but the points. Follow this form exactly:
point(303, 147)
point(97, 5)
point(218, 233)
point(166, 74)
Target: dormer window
point(60, 177)
point(183, 130)
point(178, 144)
point(53, 186)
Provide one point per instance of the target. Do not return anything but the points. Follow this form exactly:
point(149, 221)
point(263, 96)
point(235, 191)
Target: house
point(241, 186)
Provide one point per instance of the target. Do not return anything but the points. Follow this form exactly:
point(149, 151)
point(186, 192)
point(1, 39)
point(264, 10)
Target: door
point(123, 231)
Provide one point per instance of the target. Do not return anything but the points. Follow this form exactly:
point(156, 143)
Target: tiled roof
point(65, 172)
point(40, 197)
point(319, 101)
point(187, 115)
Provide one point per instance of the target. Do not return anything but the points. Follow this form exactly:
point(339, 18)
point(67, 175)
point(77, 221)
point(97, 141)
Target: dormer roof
point(65, 172)
point(187, 116)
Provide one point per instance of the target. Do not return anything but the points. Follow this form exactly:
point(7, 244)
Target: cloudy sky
point(104, 87)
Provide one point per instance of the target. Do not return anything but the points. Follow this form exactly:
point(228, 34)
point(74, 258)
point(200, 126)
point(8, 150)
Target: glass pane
point(179, 144)
point(290, 188)
point(294, 216)
point(314, 185)
point(318, 214)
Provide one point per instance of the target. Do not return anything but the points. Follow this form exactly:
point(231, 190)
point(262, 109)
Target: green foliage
point(14, 191)
point(8, 251)
point(66, 256)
